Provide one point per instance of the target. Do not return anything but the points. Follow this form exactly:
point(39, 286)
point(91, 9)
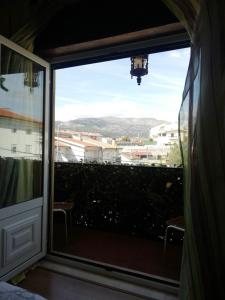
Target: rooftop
point(6, 113)
point(102, 145)
point(76, 142)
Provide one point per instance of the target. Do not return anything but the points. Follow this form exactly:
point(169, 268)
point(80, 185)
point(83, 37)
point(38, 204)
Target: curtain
point(186, 11)
point(20, 180)
point(8, 179)
point(202, 114)
point(42, 14)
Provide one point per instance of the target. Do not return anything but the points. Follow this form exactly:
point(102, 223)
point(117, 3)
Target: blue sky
point(19, 97)
point(106, 89)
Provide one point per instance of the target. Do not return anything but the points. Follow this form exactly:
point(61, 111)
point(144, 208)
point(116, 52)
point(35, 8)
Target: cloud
point(67, 100)
point(175, 86)
point(175, 54)
point(94, 91)
point(116, 68)
point(180, 54)
point(120, 107)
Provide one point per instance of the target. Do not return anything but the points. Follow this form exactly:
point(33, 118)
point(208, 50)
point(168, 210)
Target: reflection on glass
point(183, 130)
point(21, 128)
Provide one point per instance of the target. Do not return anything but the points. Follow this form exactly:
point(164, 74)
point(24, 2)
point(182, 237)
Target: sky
point(20, 99)
point(106, 89)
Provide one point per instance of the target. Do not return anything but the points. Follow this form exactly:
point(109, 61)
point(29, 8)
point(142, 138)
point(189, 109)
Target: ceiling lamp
point(139, 66)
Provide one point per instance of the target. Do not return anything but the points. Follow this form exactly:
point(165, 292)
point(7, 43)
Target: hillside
point(113, 126)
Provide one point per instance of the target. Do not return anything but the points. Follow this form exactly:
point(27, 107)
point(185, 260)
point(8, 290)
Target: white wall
point(110, 155)
point(23, 140)
point(93, 154)
point(165, 134)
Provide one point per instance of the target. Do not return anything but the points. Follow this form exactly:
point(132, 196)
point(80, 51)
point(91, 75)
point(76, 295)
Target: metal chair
point(65, 208)
point(173, 224)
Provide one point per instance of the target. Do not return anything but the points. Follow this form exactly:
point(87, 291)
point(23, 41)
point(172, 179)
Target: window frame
point(102, 54)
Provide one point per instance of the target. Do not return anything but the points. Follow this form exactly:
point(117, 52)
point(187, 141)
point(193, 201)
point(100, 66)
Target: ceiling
point(90, 20)
point(76, 22)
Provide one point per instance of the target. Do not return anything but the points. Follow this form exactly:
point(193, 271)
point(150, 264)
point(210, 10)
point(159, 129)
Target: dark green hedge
point(130, 199)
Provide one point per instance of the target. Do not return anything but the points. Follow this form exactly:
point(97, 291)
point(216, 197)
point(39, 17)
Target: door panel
point(24, 89)
point(21, 236)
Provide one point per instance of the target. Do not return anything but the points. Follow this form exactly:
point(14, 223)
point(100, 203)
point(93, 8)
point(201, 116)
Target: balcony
point(119, 216)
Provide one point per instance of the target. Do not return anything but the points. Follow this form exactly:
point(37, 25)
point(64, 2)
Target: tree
point(125, 138)
point(174, 156)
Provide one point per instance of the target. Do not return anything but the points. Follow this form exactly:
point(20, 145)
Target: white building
point(63, 152)
point(74, 150)
point(80, 135)
point(148, 154)
point(21, 136)
point(85, 146)
point(110, 152)
point(165, 134)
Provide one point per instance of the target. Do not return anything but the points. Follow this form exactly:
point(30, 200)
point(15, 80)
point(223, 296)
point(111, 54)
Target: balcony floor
point(129, 252)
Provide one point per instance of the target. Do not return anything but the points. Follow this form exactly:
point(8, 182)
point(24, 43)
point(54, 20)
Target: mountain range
point(113, 126)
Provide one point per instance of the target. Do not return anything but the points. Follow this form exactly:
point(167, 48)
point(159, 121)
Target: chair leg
point(71, 225)
point(165, 241)
point(66, 224)
point(65, 220)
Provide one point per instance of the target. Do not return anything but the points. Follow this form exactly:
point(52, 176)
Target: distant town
point(161, 147)
point(115, 141)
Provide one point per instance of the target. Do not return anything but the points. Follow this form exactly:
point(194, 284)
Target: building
point(147, 155)
point(63, 152)
point(80, 135)
point(165, 134)
point(110, 152)
point(24, 131)
point(74, 150)
point(84, 147)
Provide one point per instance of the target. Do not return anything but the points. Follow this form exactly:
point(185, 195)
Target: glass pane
point(118, 176)
point(183, 130)
point(21, 128)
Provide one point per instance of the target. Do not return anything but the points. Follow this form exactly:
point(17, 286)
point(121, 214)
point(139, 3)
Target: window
point(114, 132)
point(13, 148)
point(21, 107)
point(28, 149)
point(29, 131)
point(172, 135)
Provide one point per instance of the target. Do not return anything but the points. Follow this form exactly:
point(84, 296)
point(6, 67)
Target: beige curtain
point(203, 109)
point(186, 11)
point(45, 10)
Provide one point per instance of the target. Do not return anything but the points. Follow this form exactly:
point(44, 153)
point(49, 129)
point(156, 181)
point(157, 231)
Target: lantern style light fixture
point(139, 66)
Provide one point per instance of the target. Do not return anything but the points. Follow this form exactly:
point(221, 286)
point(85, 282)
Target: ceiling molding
point(136, 36)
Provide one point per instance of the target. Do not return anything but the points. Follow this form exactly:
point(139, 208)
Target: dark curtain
point(20, 180)
point(202, 114)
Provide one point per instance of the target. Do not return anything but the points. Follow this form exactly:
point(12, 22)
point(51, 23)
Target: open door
point(24, 151)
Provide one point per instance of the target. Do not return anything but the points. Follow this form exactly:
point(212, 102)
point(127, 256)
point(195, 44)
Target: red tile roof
point(76, 141)
point(80, 132)
point(61, 144)
point(5, 113)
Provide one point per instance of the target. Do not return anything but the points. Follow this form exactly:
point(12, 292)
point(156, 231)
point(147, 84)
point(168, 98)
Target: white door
point(24, 151)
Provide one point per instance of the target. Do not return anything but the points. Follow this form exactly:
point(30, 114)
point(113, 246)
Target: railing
point(135, 200)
